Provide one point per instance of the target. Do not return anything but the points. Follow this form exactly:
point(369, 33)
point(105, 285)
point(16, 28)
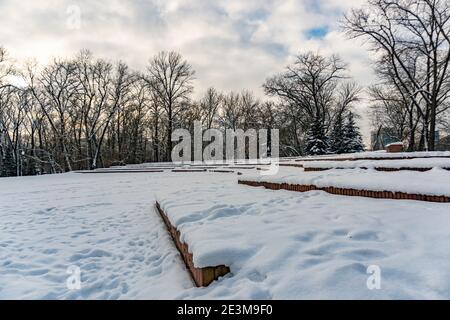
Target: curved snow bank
point(435, 182)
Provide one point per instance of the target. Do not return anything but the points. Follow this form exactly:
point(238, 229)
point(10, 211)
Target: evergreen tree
point(352, 136)
point(316, 139)
point(8, 165)
point(337, 137)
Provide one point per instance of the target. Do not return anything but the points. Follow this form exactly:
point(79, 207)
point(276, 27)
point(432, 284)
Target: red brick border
point(201, 276)
point(347, 192)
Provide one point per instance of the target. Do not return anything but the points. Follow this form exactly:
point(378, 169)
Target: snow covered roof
point(398, 143)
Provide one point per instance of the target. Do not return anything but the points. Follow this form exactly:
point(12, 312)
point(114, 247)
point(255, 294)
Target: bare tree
point(310, 84)
point(230, 113)
point(156, 117)
point(313, 90)
point(250, 109)
point(56, 90)
point(210, 105)
point(6, 68)
point(406, 31)
point(171, 78)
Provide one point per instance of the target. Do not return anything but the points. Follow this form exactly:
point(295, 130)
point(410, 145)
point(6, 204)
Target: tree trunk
point(431, 137)
point(169, 135)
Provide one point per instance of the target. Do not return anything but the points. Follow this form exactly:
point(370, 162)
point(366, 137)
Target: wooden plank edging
point(347, 191)
point(201, 276)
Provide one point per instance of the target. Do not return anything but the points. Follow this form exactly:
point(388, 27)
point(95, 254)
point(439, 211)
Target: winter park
point(225, 150)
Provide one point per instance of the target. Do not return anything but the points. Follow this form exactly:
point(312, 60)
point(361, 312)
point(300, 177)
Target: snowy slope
point(279, 244)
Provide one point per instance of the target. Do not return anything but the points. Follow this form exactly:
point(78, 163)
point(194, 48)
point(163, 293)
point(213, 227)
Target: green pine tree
point(352, 136)
point(316, 139)
point(8, 165)
point(337, 136)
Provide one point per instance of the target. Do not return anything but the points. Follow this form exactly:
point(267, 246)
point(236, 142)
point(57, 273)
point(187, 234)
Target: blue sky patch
point(317, 33)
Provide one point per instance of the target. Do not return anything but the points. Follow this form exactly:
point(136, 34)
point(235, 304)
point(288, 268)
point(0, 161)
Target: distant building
point(436, 136)
point(443, 144)
point(380, 139)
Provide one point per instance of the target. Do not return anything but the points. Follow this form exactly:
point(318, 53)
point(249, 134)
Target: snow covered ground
point(103, 223)
point(278, 244)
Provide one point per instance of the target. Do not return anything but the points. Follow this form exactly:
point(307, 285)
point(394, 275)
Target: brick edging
point(347, 191)
point(201, 276)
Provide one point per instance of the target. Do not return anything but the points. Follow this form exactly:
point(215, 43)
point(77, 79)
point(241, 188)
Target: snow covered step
point(385, 169)
point(120, 171)
point(433, 185)
point(296, 165)
point(376, 155)
point(222, 171)
point(189, 170)
point(281, 244)
point(419, 164)
point(202, 276)
point(347, 192)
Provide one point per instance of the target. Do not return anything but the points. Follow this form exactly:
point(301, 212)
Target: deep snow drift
point(279, 244)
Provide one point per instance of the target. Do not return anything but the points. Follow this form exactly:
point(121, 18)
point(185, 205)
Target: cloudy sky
point(232, 44)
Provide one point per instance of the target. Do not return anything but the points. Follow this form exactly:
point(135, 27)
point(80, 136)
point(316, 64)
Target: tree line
point(83, 112)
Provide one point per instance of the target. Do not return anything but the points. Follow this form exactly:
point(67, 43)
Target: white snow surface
point(278, 244)
point(379, 154)
point(434, 182)
point(103, 223)
point(396, 164)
